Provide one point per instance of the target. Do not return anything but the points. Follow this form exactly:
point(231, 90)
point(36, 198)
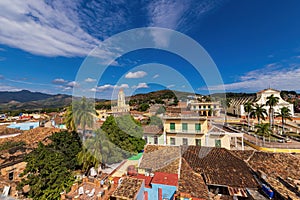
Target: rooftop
point(280, 169)
point(165, 178)
point(152, 129)
point(128, 189)
point(191, 182)
point(219, 167)
point(160, 158)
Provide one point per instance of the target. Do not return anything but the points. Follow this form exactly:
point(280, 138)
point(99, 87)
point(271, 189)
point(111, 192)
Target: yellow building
point(184, 130)
point(193, 130)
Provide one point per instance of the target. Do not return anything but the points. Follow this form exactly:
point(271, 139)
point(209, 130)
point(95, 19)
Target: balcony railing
point(185, 131)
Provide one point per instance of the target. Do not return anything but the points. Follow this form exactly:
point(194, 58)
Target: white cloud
point(140, 85)
point(110, 87)
point(171, 86)
point(59, 81)
point(281, 79)
point(138, 74)
point(176, 14)
point(73, 84)
point(8, 88)
point(42, 28)
point(90, 80)
point(155, 76)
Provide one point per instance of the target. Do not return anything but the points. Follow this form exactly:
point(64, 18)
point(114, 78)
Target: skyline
point(255, 45)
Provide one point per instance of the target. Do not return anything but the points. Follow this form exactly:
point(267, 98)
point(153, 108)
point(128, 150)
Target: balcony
point(184, 131)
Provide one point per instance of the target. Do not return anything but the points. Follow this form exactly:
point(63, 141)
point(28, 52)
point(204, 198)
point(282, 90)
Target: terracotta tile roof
point(160, 158)
point(151, 148)
point(191, 182)
point(171, 168)
point(128, 188)
point(152, 129)
point(33, 136)
point(275, 166)
point(165, 179)
point(219, 167)
point(7, 131)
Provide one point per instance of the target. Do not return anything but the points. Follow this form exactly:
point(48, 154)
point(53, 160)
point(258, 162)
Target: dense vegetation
point(49, 167)
point(125, 133)
point(11, 144)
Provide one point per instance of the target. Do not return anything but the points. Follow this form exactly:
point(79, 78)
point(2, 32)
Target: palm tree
point(225, 103)
point(263, 130)
point(86, 158)
point(285, 113)
point(69, 121)
point(271, 102)
point(248, 107)
point(259, 112)
point(80, 114)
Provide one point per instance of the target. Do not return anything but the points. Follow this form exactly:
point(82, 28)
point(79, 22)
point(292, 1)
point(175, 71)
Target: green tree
point(49, 167)
point(248, 107)
point(154, 120)
point(259, 112)
point(272, 101)
point(69, 120)
point(285, 113)
point(81, 113)
point(263, 130)
point(124, 133)
point(160, 110)
point(143, 107)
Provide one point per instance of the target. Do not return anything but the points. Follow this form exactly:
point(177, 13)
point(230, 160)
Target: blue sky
point(255, 44)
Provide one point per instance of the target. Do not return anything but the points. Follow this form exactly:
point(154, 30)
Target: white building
point(237, 104)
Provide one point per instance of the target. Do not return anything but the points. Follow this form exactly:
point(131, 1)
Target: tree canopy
point(49, 167)
point(124, 132)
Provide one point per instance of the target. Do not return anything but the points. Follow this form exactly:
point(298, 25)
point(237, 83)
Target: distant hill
point(22, 96)
point(28, 100)
point(160, 97)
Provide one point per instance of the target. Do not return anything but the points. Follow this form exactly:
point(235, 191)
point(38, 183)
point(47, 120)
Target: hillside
point(22, 96)
point(159, 97)
point(32, 100)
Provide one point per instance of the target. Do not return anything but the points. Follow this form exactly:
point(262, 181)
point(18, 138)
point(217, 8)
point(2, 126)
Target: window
point(208, 106)
point(198, 142)
point(172, 126)
point(11, 176)
point(184, 126)
point(146, 139)
point(217, 143)
point(204, 107)
point(155, 140)
point(198, 127)
point(184, 141)
point(172, 141)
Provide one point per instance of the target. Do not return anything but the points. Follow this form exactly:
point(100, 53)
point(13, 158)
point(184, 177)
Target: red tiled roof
point(147, 179)
point(165, 179)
